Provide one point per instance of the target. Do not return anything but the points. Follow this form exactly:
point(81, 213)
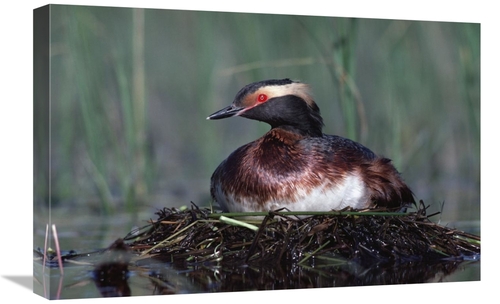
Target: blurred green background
point(131, 89)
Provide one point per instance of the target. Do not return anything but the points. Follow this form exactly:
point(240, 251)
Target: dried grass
point(366, 237)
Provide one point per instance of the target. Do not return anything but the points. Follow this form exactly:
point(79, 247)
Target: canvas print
point(180, 152)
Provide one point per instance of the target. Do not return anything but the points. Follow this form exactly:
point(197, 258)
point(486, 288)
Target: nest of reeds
point(368, 237)
point(197, 250)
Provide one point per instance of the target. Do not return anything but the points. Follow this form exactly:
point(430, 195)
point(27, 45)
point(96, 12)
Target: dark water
point(162, 279)
point(81, 278)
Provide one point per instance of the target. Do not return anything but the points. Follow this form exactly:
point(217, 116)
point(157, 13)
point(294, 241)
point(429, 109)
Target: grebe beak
point(228, 111)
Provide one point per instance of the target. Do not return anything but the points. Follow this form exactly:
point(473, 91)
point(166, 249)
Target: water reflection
point(115, 272)
point(87, 276)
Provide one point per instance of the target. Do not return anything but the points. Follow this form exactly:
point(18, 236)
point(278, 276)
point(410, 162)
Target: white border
point(16, 138)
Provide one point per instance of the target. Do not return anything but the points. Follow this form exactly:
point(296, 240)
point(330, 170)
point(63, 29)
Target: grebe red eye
point(262, 98)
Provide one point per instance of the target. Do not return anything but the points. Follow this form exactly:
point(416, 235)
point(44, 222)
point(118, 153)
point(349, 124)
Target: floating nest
point(197, 250)
point(367, 237)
